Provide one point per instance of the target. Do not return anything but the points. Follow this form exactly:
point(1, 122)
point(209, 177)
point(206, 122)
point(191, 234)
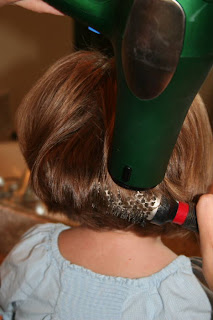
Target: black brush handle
point(177, 212)
point(191, 219)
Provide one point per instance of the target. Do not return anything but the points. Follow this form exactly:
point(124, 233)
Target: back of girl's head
point(65, 127)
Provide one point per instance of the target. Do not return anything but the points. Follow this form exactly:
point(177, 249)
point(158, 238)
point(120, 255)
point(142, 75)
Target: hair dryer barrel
point(146, 131)
point(148, 122)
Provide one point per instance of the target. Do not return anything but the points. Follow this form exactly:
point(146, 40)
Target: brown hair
point(65, 126)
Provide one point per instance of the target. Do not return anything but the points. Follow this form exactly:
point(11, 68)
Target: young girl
point(107, 268)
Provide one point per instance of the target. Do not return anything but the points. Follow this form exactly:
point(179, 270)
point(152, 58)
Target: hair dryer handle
point(100, 15)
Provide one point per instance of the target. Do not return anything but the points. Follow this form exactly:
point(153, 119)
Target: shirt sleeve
point(24, 269)
point(196, 263)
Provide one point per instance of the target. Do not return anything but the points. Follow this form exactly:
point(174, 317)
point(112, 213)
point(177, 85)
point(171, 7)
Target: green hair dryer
point(163, 52)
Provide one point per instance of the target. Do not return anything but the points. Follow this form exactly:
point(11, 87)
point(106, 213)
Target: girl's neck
point(114, 253)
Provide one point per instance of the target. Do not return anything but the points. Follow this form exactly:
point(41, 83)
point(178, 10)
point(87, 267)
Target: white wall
point(29, 43)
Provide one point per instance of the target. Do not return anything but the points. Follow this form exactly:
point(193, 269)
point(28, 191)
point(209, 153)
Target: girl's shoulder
point(23, 269)
point(37, 244)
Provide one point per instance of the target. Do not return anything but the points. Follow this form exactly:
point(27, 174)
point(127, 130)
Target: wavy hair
point(65, 127)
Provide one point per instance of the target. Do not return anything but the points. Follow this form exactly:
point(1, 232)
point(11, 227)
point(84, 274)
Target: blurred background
point(30, 43)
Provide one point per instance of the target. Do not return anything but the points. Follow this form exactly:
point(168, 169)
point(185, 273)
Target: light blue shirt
point(37, 283)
